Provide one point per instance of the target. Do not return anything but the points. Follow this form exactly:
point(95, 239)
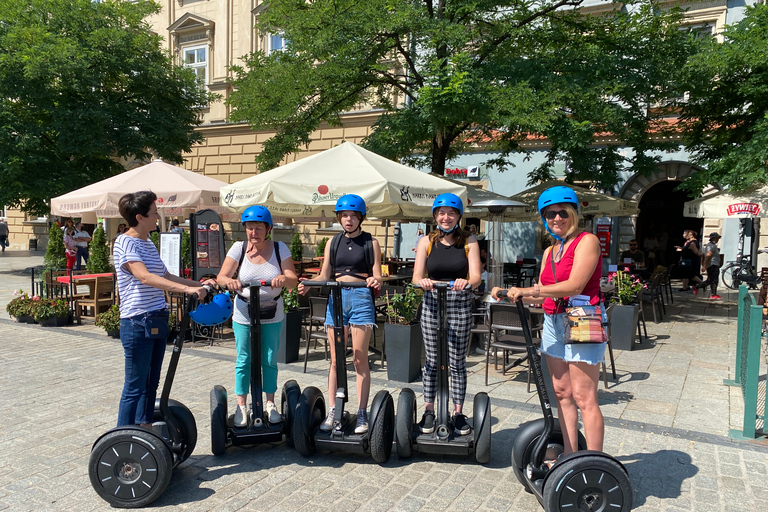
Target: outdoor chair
point(653, 295)
point(99, 300)
point(481, 327)
point(666, 284)
point(507, 336)
point(316, 328)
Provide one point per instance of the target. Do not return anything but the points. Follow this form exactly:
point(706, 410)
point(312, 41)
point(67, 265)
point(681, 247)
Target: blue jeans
point(143, 363)
point(82, 252)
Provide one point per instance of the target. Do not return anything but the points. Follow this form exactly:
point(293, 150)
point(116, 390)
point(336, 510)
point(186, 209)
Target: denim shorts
point(552, 337)
point(357, 306)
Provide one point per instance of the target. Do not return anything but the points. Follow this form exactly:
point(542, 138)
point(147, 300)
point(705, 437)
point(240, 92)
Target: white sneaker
point(327, 425)
point(272, 414)
point(361, 426)
point(241, 416)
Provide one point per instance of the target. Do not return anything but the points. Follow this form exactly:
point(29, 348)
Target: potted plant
point(21, 307)
point(52, 312)
point(110, 321)
point(402, 335)
point(288, 351)
point(321, 246)
point(296, 248)
point(624, 309)
point(98, 261)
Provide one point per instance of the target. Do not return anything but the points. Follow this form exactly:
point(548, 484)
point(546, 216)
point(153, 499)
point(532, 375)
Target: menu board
point(170, 252)
point(208, 243)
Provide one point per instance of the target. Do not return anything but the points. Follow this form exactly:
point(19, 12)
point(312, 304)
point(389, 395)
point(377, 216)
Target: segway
point(224, 433)
point(310, 413)
point(443, 440)
point(585, 480)
point(130, 466)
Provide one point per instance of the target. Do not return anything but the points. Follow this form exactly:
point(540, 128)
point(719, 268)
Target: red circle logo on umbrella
point(322, 189)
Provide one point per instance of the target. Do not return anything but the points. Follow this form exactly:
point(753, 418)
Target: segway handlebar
point(342, 284)
point(444, 284)
point(262, 283)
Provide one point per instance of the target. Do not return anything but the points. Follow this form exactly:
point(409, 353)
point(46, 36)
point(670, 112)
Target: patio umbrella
point(178, 190)
point(308, 189)
point(590, 203)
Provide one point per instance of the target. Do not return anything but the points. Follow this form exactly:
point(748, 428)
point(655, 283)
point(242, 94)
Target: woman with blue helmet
point(254, 260)
point(349, 263)
point(447, 254)
point(571, 266)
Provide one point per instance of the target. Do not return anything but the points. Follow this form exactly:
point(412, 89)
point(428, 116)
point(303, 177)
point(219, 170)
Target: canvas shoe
point(272, 413)
point(715, 297)
point(327, 425)
point(241, 416)
point(427, 423)
point(362, 422)
point(460, 424)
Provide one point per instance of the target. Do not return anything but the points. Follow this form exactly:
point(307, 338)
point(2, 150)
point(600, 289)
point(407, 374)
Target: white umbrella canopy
point(722, 205)
point(484, 204)
point(590, 203)
point(177, 189)
point(309, 188)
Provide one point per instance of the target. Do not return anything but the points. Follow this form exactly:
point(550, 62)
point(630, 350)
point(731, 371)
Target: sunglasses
point(550, 215)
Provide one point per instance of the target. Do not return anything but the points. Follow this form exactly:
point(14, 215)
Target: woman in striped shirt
point(141, 280)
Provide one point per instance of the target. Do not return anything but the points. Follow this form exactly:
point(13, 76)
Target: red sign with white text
point(743, 209)
point(604, 235)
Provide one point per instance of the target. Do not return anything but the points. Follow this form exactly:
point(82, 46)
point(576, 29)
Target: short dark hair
point(175, 222)
point(137, 203)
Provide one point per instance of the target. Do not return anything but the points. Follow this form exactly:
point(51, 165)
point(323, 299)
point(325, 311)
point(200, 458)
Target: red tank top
point(563, 272)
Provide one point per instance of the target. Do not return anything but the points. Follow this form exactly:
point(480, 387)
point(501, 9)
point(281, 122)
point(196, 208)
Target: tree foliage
point(726, 116)
point(98, 259)
point(469, 72)
point(81, 85)
point(55, 255)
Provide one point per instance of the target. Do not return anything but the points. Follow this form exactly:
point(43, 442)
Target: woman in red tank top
point(574, 368)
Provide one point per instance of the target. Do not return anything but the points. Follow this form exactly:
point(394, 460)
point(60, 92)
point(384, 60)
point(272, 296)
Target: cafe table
point(101, 292)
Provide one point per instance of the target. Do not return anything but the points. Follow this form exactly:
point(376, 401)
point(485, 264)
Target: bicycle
point(742, 271)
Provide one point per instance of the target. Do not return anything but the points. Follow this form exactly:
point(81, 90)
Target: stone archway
point(637, 185)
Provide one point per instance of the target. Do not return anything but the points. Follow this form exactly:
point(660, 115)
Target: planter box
point(24, 319)
point(114, 334)
point(288, 351)
point(55, 321)
point(402, 346)
point(623, 329)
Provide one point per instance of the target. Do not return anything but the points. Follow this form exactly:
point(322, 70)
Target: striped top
point(137, 298)
point(251, 272)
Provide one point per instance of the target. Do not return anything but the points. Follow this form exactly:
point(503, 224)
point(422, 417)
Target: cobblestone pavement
point(667, 419)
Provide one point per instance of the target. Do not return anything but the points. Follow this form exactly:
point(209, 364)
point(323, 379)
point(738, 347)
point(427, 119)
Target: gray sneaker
point(241, 416)
point(327, 425)
point(273, 415)
point(362, 422)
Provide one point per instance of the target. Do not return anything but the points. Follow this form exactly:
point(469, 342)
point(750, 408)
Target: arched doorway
point(661, 207)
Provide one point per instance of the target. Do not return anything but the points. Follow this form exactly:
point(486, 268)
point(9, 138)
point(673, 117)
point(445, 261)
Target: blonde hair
point(573, 218)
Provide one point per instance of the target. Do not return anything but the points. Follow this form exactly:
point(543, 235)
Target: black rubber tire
point(523, 445)
point(218, 421)
point(383, 429)
point(289, 399)
point(482, 422)
point(310, 412)
point(144, 454)
point(591, 482)
point(729, 279)
point(187, 424)
point(406, 419)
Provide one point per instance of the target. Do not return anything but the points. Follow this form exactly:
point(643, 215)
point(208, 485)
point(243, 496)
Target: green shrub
point(290, 299)
point(49, 308)
point(21, 304)
point(296, 247)
point(402, 307)
point(321, 246)
point(98, 260)
point(110, 319)
point(55, 257)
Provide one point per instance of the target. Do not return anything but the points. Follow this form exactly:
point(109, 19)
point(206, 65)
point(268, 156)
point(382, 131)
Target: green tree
point(98, 258)
point(81, 85)
point(296, 247)
point(55, 256)
point(469, 71)
point(725, 117)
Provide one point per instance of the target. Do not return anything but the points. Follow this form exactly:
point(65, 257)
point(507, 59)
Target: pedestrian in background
point(3, 233)
point(81, 240)
point(711, 265)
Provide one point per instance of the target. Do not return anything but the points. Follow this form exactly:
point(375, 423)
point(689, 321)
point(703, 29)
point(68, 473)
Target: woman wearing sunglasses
point(571, 266)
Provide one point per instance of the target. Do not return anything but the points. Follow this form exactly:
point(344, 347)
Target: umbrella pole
point(162, 221)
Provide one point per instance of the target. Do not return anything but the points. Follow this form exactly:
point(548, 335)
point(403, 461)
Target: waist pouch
point(155, 324)
point(268, 310)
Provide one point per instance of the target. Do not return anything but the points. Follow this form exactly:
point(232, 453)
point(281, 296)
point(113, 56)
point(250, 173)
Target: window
point(196, 58)
point(275, 43)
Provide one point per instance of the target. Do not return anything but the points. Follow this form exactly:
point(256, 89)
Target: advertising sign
point(603, 233)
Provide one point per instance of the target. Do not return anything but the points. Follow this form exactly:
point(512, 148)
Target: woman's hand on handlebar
point(278, 282)
point(460, 285)
point(372, 282)
point(301, 288)
point(202, 290)
point(426, 284)
point(234, 285)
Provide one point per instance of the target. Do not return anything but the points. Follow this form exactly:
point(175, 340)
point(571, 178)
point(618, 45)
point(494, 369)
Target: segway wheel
point(591, 482)
point(310, 412)
point(522, 449)
point(406, 419)
point(218, 420)
point(482, 423)
point(289, 399)
point(187, 425)
point(130, 468)
point(383, 427)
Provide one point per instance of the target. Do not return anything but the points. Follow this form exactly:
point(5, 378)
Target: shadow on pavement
point(660, 474)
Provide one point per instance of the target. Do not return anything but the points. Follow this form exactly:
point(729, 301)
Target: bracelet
point(535, 289)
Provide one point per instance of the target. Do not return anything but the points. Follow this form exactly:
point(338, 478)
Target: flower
point(627, 287)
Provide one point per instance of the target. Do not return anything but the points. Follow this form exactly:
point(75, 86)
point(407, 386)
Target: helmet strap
point(349, 233)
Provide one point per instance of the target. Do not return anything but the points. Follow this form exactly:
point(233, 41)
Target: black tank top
point(447, 263)
point(350, 257)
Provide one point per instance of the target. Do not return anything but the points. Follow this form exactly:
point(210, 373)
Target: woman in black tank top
point(447, 254)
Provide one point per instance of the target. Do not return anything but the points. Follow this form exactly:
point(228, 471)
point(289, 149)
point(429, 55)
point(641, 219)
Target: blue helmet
point(451, 200)
point(257, 213)
point(556, 195)
point(350, 202)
